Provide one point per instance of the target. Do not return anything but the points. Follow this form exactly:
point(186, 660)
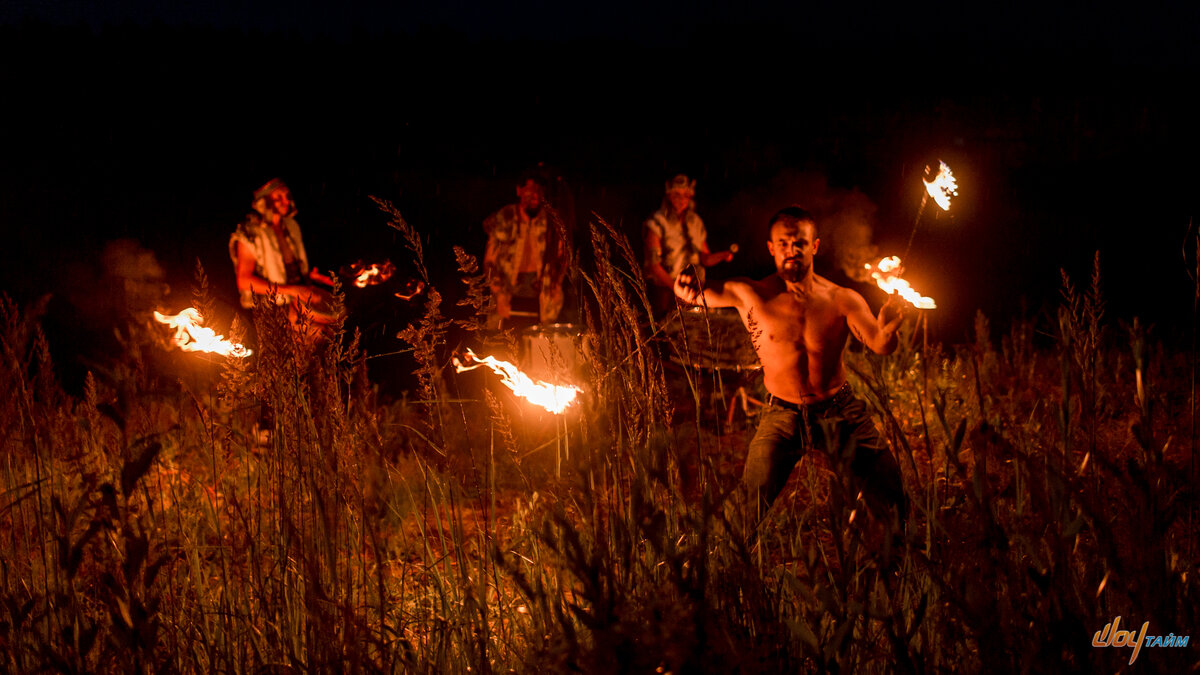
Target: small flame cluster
point(942, 187)
point(411, 288)
point(886, 274)
point(554, 398)
point(192, 336)
point(371, 274)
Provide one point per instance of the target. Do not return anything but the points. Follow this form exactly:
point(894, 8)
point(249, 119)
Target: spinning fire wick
point(941, 188)
point(190, 336)
point(554, 398)
point(886, 274)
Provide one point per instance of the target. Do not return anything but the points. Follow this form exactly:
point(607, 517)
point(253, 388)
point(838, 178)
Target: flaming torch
point(886, 274)
point(554, 398)
point(191, 336)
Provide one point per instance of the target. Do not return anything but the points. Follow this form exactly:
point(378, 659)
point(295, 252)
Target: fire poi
point(555, 398)
point(942, 187)
point(191, 336)
point(886, 274)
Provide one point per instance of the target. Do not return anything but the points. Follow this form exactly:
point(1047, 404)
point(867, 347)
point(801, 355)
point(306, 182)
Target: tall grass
point(150, 525)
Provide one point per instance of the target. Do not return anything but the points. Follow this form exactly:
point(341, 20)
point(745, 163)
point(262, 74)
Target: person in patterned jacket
point(525, 259)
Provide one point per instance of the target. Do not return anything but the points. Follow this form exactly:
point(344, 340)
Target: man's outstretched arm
point(728, 294)
point(878, 333)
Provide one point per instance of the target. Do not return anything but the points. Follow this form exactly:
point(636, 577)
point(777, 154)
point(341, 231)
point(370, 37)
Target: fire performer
point(674, 238)
point(268, 254)
point(525, 259)
point(800, 324)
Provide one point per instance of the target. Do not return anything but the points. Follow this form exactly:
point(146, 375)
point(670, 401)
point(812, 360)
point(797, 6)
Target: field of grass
point(270, 515)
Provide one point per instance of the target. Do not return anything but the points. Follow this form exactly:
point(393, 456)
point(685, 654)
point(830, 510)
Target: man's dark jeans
point(841, 428)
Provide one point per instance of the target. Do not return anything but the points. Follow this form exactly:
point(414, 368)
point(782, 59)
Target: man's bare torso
point(799, 337)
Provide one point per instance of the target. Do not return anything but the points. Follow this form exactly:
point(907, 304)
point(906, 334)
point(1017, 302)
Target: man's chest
point(812, 321)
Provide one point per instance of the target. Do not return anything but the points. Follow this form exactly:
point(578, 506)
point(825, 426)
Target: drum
point(553, 353)
point(713, 339)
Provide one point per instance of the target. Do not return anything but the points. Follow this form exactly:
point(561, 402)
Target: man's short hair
point(536, 175)
point(792, 214)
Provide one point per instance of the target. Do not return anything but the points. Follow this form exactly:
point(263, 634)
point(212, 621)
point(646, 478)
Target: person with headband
point(674, 238)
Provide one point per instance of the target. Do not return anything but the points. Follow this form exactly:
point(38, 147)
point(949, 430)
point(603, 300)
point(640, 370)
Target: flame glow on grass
point(555, 398)
point(942, 187)
point(886, 274)
point(191, 336)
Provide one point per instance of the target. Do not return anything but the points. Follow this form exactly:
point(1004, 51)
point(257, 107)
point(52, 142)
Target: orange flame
point(375, 273)
point(190, 336)
point(942, 187)
point(552, 397)
point(886, 274)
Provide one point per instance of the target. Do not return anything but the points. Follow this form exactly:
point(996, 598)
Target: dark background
point(1071, 129)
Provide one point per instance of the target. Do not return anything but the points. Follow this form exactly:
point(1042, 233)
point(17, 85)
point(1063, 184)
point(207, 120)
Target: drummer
point(269, 257)
point(674, 238)
point(526, 259)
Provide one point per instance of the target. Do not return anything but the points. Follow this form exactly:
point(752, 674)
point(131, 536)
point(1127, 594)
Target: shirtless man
point(800, 324)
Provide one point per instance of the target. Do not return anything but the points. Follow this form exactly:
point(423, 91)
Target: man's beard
point(794, 272)
point(532, 211)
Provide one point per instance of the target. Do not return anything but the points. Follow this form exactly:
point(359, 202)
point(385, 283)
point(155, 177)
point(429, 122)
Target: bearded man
point(800, 324)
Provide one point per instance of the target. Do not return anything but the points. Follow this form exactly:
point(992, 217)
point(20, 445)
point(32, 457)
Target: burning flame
point(886, 274)
point(943, 186)
point(412, 288)
point(190, 336)
point(370, 275)
point(554, 398)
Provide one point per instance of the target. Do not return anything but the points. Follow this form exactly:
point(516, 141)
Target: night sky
point(1071, 129)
